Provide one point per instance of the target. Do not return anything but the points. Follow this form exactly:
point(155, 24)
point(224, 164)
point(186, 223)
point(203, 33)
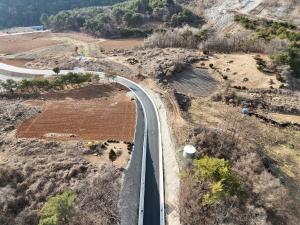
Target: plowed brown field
point(99, 118)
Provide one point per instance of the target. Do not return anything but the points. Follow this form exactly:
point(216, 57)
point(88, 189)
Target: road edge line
point(143, 172)
point(161, 174)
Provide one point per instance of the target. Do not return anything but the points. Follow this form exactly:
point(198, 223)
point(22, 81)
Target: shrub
point(225, 77)
point(279, 78)
point(57, 83)
point(218, 173)
point(280, 58)
point(56, 70)
point(185, 37)
point(184, 17)
point(294, 53)
point(112, 156)
point(58, 209)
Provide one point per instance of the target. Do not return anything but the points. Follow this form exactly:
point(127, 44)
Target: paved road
point(153, 201)
point(152, 196)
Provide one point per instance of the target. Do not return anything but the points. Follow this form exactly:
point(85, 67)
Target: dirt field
point(240, 66)
point(90, 113)
point(285, 117)
point(22, 43)
point(103, 159)
point(109, 45)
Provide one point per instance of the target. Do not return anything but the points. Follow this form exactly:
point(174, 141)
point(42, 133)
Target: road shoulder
point(171, 168)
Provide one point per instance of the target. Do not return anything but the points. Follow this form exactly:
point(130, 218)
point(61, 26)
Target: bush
point(58, 209)
point(280, 58)
point(134, 32)
point(241, 42)
point(225, 77)
point(42, 84)
point(185, 37)
point(218, 173)
point(279, 78)
point(294, 53)
point(184, 17)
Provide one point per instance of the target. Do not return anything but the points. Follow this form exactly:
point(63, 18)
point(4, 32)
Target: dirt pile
point(163, 63)
point(90, 64)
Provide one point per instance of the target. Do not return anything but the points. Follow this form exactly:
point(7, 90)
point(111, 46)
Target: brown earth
point(22, 43)
point(241, 70)
point(27, 42)
point(89, 113)
point(129, 43)
point(103, 159)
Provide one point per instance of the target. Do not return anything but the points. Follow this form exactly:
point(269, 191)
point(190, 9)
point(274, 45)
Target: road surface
point(153, 211)
point(21, 33)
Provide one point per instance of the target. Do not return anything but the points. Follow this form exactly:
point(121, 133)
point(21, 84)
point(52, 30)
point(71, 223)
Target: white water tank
point(189, 151)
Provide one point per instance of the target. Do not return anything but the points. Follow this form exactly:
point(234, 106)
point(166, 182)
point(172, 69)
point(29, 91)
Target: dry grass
point(33, 170)
point(279, 148)
point(109, 45)
point(237, 67)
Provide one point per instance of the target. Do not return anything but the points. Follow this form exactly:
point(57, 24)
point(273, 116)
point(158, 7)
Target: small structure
point(245, 111)
point(38, 28)
point(189, 151)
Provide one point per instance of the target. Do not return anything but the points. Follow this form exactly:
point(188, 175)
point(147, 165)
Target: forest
point(28, 12)
point(133, 18)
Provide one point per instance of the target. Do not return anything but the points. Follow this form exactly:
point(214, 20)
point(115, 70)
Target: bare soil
point(109, 45)
point(241, 70)
point(121, 161)
point(88, 113)
point(285, 117)
point(22, 43)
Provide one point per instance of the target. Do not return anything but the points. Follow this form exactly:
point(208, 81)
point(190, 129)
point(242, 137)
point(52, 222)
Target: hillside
point(28, 12)
point(219, 13)
point(131, 18)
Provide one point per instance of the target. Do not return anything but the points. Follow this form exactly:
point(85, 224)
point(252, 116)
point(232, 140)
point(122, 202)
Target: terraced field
point(195, 82)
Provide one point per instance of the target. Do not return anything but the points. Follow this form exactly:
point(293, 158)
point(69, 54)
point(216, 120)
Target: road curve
point(153, 201)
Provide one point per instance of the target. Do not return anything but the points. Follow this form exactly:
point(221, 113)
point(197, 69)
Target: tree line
point(130, 18)
point(43, 84)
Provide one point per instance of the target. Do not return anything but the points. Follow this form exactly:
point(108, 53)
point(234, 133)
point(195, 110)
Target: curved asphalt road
point(153, 212)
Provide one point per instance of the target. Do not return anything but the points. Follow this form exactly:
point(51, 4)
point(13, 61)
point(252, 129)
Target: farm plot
point(21, 43)
point(194, 82)
point(75, 115)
